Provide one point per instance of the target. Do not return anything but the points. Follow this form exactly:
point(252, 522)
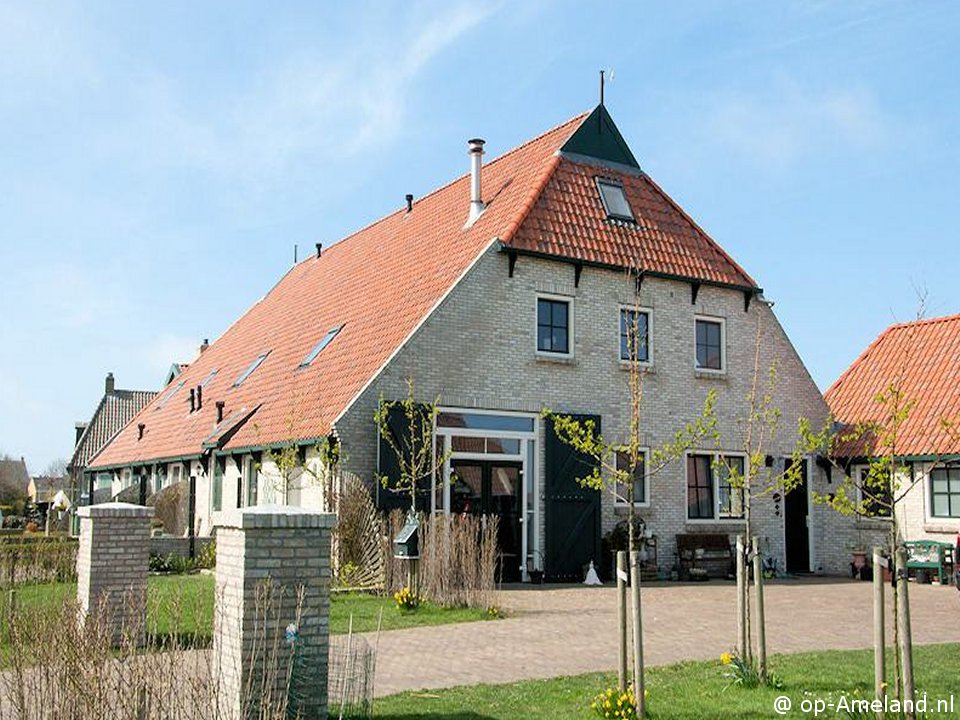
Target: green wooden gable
point(598, 137)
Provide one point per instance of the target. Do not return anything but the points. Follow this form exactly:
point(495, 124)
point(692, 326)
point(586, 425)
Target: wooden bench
point(707, 551)
point(931, 555)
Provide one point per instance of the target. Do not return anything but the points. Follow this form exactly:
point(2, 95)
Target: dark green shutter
point(572, 511)
point(388, 464)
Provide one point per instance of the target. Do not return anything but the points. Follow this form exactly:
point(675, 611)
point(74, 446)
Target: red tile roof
point(920, 358)
point(384, 280)
point(568, 219)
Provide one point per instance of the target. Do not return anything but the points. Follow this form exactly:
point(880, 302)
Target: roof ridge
point(577, 118)
point(924, 321)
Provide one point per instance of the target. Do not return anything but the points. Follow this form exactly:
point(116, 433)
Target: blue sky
point(159, 161)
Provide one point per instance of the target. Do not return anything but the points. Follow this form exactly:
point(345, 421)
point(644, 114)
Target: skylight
point(614, 200)
point(249, 371)
point(318, 348)
point(169, 394)
point(210, 376)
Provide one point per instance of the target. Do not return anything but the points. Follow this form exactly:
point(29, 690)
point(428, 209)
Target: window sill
point(555, 358)
point(624, 509)
point(946, 526)
point(702, 374)
point(714, 521)
point(645, 367)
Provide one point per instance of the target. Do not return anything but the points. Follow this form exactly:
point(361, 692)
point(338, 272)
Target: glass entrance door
point(492, 487)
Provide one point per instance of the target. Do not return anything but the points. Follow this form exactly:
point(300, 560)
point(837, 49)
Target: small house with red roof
point(509, 290)
point(919, 360)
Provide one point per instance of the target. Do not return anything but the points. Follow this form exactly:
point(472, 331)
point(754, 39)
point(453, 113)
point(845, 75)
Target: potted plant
point(858, 556)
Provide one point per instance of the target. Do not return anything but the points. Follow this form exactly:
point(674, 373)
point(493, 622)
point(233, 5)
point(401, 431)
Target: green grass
point(687, 691)
point(183, 604)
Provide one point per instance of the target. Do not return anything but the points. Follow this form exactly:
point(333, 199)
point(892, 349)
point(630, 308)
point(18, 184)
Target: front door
point(796, 515)
point(492, 487)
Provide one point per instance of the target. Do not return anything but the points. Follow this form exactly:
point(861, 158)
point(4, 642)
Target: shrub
point(745, 674)
point(207, 556)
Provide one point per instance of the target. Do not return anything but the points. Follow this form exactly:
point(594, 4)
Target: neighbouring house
point(504, 292)
point(920, 359)
point(115, 409)
point(14, 480)
point(42, 488)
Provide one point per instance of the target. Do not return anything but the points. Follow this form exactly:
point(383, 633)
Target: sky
point(159, 161)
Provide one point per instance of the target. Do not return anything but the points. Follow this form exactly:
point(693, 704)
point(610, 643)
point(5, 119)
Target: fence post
point(112, 563)
point(269, 558)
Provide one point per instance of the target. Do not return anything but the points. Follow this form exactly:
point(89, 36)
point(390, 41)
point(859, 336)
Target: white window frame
point(649, 313)
point(929, 517)
point(715, 479)
point(723, 343)
point(621, 502)
point(571, 326)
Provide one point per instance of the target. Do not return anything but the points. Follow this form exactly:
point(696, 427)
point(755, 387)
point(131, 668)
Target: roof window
point(614, 200)
point(210, 376)
point(318, 348)
point(250, 368)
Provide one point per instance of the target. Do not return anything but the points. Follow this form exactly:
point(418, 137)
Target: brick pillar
point(112, 563)
point(267, 556)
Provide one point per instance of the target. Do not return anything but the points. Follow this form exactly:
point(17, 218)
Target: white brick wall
point(478, 351)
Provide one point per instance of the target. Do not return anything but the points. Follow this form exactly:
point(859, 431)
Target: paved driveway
point(553, 631)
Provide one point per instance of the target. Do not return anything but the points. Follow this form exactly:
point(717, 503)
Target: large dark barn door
point(572, 511)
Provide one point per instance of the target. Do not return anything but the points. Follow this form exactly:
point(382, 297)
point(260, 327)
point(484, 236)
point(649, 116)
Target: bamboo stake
point(906, 642)
point(638, 682)
point(741, 605)
point(761, 618)
point(622, 616)
point(879, 641)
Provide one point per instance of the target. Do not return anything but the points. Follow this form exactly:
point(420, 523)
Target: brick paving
point(554, 631)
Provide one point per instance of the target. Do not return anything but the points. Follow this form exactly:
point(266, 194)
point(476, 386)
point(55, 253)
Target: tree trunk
point(638, 682)
point(741, 605)
point(879, 641)
point(906, 639)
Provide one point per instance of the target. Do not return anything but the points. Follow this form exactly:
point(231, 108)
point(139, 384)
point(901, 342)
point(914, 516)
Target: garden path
point(551, 631)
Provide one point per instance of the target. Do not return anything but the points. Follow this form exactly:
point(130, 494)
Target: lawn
point(688, 691)
point(184, 604)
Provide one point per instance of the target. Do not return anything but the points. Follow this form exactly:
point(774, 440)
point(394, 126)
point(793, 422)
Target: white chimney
point(476, 198)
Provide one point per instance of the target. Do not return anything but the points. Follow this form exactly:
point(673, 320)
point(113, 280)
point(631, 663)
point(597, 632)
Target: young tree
point(753, 479)
point(411, 441)
point(619, 460)
point(878, 491)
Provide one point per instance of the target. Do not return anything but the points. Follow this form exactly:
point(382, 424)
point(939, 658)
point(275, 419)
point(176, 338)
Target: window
point(161, 479)
point(710, 352)
point(483, 421)
point(488, 445)
point(634, 335)
point(210, 376)
point(729, 497)
point(252, 476)
point(614, 200)
point(175, 473)
point(318, 348)
point(249, 371)
point(699, 487)
point(945, 492)
point(127, 478)
point(876, 499)
point(711, 494)
point(216, 487)
point(553, 326)
point(104, 480)
point(621, 491)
